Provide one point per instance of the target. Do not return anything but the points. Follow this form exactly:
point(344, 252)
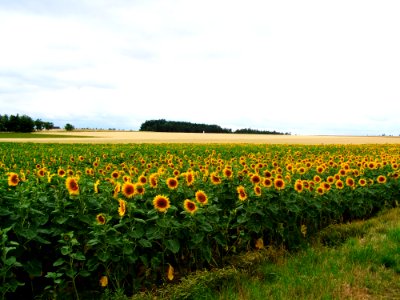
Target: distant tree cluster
point(255, 131)
point(177, 126)
point(22, 123)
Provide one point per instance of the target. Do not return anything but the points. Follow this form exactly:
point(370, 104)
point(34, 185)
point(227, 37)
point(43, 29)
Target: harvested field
point(100, 137)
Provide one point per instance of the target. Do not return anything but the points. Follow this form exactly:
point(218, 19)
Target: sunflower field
point(81, 219)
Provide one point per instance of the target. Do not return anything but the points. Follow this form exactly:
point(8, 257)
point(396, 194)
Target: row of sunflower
point(81, 218)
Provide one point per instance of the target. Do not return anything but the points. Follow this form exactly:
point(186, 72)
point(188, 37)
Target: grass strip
point(359, 260)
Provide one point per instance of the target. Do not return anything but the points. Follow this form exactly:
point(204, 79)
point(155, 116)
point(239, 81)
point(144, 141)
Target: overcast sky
point(305, 67)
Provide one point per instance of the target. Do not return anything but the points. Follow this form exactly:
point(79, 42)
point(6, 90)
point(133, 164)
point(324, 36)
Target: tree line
point(24, 123)
point(163, 125)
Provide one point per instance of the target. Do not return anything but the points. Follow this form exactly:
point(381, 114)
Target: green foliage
point(76, 231)
point(163, 125)
point(69, 127)
point(179, 126)
point(24, 123)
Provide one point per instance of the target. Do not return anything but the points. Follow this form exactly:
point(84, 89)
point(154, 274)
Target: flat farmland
point(102, 137)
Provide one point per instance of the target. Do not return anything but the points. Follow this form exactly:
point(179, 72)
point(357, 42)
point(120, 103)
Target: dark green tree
point(69, 127)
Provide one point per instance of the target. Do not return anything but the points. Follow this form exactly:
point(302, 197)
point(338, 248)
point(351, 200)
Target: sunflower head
point(101, 219)
point(128, 189)
point(298, 186)
point(139, 188)
point(201, 197)
point(339, 184)
point(279, 184)
point(350, 182)
point(190, 206)
point(172, 183)
point(153, 179)
point(241, 193)
point(362, 182)
point(255, 179)
point(103, 281)
point(13, 179)
point(161, 203)
point(381, 179)
point(189, 178)
point(122, 207)
point(257, 190)
point(72, 186)
point(215, 179)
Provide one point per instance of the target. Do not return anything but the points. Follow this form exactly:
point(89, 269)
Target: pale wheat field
point(167, 137)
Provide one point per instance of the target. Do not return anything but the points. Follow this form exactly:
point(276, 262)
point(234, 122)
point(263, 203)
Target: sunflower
point(350, 182)
point(72, 186)
point(153, 179)
point(115, 174)
point(267, 182)
point(61, 172)
point(13, 179)
point(101, 219)
point(170, 273)
point(201, 197)
point(122, 207)
point(279, 184)
point(161, 203)
point(227, 172)
point(362, 182)
point(267, 174)
point(142, 179)
point(189, 177)
point(317, 178)
point(139, 188)
point(172, 183)
point(255, 179)
point(330, 179)
point(298, 186)
point(257, 190)
point(190, 206)
point(128, 189)
point(96, 186)
point(301, 170)
point(117, 189)
point(103, 281)
point(215, 178)
point(241, 193)
point(381, 179)
point(339, 184)
point(326, 186)
point(41, 172)
point(320, 190)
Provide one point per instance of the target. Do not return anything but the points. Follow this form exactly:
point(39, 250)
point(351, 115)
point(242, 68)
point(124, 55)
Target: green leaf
point(173, 245)
point(27, 233)
point(10, 261)
point(145, 243)
point(93, 242)
point(61, 219)
point(78, 256)
point(84, 273)
point(70, 273)
point(65, 250)
point(58, 262)
point(140, 220)
point(197, 238)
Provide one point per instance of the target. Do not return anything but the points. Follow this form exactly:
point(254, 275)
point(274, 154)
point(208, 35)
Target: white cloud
point(298, 66)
